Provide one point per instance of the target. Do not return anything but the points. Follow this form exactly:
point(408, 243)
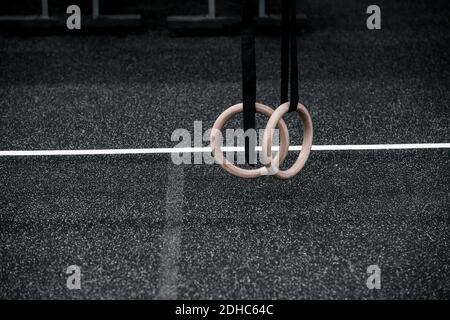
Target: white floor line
point(171, 239)
point(338, 147)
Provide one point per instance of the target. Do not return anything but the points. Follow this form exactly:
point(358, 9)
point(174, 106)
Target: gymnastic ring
point(272, 165)
point(215, 142)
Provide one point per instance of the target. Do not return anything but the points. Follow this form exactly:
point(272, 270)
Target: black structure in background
point(206, 17)
point(46, 19)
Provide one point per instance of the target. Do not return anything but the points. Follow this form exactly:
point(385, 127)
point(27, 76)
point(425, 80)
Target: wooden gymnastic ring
point(273, 165)
point(217, 151)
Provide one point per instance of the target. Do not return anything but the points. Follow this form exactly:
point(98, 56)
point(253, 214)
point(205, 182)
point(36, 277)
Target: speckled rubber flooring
point(141, 227)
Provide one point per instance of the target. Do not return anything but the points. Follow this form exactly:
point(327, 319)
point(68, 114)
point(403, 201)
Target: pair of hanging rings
point(271, 164)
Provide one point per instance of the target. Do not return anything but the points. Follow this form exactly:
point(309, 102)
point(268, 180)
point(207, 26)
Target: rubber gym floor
point(141, 227)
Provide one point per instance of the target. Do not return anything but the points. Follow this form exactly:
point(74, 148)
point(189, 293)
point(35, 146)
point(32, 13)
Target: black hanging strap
point(248, 75)
point(289, 65)
point(289, 54)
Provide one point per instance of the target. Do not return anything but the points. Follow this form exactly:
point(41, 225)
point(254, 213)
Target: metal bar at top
point(211, 8)
point(262, 8)
point(45, 12)
point(95, 9)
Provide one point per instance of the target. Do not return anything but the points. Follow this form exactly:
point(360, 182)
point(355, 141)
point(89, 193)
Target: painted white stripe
point(338, 147)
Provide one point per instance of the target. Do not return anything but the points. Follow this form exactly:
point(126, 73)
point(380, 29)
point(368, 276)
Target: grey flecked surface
point(315, 236)
point(361, 87)
point(310, 237)
point(102, 214)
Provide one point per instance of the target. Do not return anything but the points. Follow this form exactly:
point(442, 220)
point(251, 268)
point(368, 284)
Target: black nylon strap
point(248, 75)
point(285, 39)
point(289, 54)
